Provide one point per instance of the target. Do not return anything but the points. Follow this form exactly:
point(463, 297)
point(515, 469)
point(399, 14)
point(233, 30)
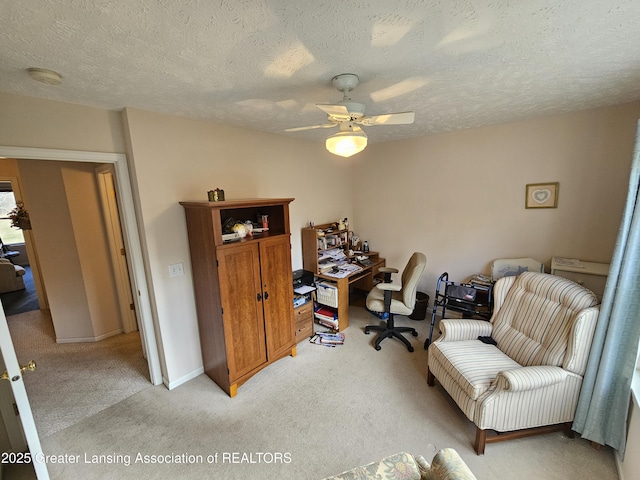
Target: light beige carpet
point(324, 411)
point(75, 380)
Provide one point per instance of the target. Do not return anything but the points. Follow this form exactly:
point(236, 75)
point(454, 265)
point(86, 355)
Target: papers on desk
point(331, 258)
point(343, 270)
point(304, 289)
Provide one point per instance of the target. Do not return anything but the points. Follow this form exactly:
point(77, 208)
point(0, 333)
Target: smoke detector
point(45, 76)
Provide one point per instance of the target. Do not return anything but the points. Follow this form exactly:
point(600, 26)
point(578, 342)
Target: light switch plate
point(176, 269)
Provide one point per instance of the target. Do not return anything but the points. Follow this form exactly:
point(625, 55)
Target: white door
point(14, 377)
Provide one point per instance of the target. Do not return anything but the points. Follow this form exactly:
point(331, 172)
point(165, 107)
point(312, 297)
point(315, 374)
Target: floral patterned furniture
point(446, 465)
point(530, 379)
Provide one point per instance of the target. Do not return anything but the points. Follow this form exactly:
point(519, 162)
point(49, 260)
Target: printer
point(302, 278)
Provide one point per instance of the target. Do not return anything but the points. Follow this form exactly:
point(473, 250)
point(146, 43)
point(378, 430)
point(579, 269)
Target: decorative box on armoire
point(242, 286)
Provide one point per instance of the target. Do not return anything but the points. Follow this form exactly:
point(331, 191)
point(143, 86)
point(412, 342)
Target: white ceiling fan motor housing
point(345, 82)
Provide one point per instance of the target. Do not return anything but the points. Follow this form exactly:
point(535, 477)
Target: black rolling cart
point(473, 300)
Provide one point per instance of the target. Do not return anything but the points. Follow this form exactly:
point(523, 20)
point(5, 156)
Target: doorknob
point(31, 366)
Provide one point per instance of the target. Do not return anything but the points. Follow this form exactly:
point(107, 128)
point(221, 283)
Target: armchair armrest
point(454, 330)
point(580, 339)
point(393, 287)
point(530, 378)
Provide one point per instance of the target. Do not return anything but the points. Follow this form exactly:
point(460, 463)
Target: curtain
point(603, 405)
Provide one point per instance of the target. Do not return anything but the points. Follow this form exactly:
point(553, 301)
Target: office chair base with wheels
point(389, 330)
point(394, 299)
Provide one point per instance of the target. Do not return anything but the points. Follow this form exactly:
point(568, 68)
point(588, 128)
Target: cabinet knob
point(266, 295)
point(259, 297)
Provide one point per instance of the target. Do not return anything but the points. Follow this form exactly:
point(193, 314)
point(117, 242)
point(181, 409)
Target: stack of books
point(480, 279)
point(328, 339)
point(326, 317)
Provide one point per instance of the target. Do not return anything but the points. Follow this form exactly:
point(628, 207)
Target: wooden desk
point(320, 240)
point(362, 280)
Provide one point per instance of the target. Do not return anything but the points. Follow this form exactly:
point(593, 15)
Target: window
point(8, 234)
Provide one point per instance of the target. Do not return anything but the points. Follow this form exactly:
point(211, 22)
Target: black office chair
point(394, 299)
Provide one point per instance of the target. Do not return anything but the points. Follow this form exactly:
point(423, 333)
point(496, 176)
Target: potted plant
point(20, 217)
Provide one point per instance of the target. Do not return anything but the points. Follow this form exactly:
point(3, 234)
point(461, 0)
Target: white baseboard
point(181, 380)
point(88, 339)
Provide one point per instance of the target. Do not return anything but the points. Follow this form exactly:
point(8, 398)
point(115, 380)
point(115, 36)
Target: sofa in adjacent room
point(10, 276)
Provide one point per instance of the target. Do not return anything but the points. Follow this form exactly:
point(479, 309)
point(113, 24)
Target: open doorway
point(17, 282)
point(80, 340)
point(132, 243)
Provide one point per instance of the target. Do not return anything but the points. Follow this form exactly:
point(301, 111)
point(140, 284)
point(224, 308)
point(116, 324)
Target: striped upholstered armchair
point(529, 381)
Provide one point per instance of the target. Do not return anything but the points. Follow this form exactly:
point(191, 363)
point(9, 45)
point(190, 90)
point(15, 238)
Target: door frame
point(109, 204)
point(130, 233)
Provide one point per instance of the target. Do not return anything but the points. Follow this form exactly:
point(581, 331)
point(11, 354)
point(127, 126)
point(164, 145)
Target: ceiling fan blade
point(338, 111)
point(403, 118)
point(299, 129)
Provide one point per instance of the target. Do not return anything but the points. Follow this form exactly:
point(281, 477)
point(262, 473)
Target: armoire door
point(241, 295)
point(275, 261)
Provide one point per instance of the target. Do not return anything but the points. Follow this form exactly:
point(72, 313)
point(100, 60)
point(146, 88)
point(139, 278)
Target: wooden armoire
point(243, 287)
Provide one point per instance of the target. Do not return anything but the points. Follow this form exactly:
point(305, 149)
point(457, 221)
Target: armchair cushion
point(473, 365)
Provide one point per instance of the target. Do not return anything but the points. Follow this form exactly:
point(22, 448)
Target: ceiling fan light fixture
point(346, 143)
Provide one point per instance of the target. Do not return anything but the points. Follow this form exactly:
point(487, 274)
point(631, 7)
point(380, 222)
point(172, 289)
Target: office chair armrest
point(389, 286)
point(388, 270)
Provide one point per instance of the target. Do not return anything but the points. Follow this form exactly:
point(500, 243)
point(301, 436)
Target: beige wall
point(92, 247)
point(459, 196)
point(43, 192)
point(175, 159)
point(78, 309)
point(32, 122)
point(69, 234)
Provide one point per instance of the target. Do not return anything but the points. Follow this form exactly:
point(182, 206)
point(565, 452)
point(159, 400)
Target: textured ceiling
point(264, 64)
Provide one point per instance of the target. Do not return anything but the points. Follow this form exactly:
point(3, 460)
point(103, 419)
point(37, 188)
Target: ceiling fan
point(348, 116)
